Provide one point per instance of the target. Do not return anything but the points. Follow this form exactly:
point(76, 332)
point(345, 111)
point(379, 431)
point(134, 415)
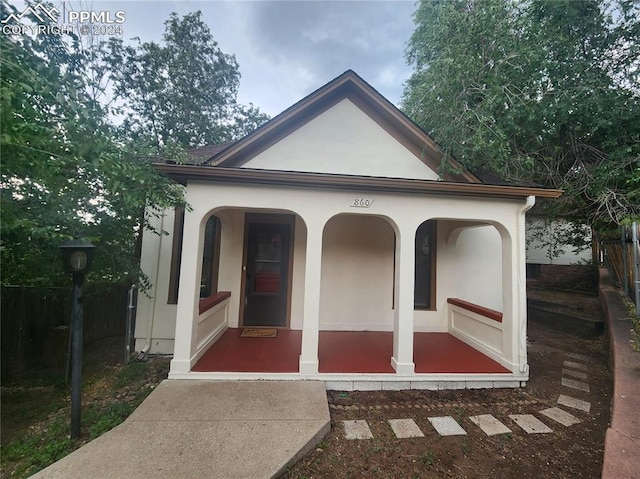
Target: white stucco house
point(334, 226)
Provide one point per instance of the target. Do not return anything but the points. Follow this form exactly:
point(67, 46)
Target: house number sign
point(361, 203)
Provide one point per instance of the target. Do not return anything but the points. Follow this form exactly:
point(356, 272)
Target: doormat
point(259, 333)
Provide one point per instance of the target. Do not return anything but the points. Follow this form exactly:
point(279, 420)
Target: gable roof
point(220, 163)
point(350, 86)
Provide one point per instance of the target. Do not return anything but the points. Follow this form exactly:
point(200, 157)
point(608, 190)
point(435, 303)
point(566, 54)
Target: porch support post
point(188, 294)
point(311, 317)
point(402, 359)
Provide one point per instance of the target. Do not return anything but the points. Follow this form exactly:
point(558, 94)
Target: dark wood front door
point(267, 270)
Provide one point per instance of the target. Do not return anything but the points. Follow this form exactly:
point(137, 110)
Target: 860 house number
point(361, 203)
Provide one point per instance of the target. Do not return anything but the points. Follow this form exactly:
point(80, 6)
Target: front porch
point(346, 356)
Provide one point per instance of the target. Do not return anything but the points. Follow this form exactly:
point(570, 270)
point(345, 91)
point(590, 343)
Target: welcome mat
point(259, 333)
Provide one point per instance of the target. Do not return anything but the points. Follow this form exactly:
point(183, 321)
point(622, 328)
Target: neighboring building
point(332, 226)
point(557, 242)
point(559, 254)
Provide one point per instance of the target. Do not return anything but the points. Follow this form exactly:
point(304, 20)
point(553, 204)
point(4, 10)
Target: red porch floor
point(342, 352)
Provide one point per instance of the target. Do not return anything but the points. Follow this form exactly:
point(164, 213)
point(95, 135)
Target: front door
point(266, 270)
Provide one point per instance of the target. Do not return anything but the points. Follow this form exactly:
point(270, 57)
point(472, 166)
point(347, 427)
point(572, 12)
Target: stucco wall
point(357, 274)
point(357, 270)
point(472, 265)
point(357, 146)
point(155, 319)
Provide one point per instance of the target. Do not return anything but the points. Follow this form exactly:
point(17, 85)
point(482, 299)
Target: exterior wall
point(469, 262)
point(474, 256)
point(357, 274)
point(547, 243)
point(358, 146)
point(230, 265)
point(472, 266)
point(404, 213)
point(155, 319)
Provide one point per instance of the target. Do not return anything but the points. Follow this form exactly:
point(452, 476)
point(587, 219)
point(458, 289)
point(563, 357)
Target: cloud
point(309, 43)
point(287, 49)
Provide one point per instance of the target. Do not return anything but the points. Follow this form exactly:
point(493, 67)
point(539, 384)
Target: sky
point(288, 49)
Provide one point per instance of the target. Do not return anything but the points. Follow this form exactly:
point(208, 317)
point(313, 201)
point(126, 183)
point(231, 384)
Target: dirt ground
point(567, 452)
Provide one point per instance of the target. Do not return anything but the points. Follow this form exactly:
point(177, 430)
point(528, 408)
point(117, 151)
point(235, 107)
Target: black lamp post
point(77, 255)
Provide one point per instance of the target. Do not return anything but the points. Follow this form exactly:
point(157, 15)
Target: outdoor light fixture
point(77, 255)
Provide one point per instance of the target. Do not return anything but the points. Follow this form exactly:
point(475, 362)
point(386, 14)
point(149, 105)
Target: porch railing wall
point(477, 330)
point(211, 324)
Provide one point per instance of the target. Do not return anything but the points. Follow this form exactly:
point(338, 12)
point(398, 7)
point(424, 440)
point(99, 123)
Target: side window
point(424, 287)
point(210, 257)
point(176, 254)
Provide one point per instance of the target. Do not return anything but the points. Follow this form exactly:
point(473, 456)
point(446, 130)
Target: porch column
point(402, 359)
point(188, 294)
point(311, 310)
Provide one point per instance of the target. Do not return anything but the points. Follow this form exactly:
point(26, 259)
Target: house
point(336, 227)
point(557, 241)
point(559, 253)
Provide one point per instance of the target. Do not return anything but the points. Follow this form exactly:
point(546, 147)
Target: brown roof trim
point(348, 85)
point(184, 173)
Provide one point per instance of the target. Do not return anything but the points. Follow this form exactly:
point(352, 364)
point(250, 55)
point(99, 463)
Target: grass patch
point(36, 414)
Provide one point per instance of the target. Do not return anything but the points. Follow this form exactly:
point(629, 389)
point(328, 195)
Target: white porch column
point(188, 294)
point(402, 359)
point(311, 310)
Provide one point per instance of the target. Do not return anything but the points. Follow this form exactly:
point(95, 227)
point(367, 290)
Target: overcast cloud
point(287, 49)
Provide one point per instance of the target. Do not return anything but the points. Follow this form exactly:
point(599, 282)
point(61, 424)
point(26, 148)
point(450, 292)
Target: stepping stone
point(574, 374)
point(447, 426)
point(357, 430)
point(558, 415)
point(572, 383)
point(574, 403)
point(404, 428)
point(489, 425)
point(530, 423)
point(581, 357)
point(574, 365)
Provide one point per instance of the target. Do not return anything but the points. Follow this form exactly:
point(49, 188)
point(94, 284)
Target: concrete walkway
point(194, 429)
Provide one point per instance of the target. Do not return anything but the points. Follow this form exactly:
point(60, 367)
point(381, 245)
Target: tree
point(542, 90)
point(63, 170)
point(183, 91)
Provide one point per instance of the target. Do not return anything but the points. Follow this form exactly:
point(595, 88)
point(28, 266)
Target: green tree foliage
point(542, 90)
point(183, 91)
point(63, 170)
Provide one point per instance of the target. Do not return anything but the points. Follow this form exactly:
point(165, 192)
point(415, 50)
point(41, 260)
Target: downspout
point(522, 285)
point(147, 346)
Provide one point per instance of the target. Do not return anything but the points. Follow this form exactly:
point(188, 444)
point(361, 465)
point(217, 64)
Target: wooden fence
point(35, 323)
point(622, 270)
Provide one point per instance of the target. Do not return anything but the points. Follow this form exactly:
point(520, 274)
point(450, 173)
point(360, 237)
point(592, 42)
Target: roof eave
point(185, 173)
